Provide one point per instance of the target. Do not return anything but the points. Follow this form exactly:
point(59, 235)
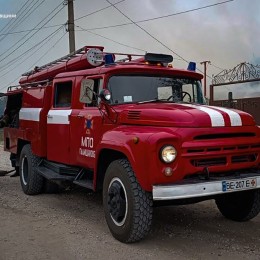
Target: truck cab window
point(63, 93)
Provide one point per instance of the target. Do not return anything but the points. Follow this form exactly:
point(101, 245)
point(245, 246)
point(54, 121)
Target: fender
point(133, 144)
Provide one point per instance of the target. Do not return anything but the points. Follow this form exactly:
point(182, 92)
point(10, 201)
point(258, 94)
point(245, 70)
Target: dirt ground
point(71, 225)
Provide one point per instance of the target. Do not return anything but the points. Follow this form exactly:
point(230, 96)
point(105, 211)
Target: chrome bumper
point(195, 190)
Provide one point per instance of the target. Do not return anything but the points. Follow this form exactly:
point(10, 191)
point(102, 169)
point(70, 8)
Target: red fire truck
point(136, 129)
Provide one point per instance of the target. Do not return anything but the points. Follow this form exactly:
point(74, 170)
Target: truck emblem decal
point(88, 123)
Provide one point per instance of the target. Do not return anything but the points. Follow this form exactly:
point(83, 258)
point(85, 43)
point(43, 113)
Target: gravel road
point(71, 225)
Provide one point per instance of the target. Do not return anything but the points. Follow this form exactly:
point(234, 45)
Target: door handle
point(80, 116)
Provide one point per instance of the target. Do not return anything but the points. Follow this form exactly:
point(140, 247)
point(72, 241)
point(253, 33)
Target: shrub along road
point(71, 225)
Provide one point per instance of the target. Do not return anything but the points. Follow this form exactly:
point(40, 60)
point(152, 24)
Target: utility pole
point(205, 75)
point(71, 27)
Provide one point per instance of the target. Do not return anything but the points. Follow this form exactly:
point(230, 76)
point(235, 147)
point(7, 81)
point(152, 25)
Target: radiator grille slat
point(133, 115)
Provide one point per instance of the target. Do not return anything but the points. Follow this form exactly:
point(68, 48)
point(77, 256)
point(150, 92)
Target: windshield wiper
point(152, 101)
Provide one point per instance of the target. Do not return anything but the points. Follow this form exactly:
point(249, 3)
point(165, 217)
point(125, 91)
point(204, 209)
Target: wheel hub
point(24, 170)
point(117, 202)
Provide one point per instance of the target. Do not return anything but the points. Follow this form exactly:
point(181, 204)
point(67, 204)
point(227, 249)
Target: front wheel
point(31, 181)
point(128, 208)
point(240, 206)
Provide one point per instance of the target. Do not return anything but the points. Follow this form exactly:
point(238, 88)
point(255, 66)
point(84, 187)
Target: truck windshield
point(139, 88)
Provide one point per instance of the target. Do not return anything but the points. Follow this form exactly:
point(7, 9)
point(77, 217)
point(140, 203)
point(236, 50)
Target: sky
point(226, 34)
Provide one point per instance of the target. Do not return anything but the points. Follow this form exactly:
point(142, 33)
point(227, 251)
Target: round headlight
point(168, 154)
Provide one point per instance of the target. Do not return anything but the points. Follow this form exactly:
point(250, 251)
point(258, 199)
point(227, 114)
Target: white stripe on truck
point(32, 114)
point(58, 117)
point(235, 118)
point(216, 117)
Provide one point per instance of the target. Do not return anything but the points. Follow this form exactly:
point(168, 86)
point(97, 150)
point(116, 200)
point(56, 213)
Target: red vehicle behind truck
point(138, 130)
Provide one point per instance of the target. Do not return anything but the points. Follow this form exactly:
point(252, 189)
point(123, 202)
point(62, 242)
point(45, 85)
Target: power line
point(146, 31)
point(154, 36)
point(30, 30)
point(50, 49)
point(42, 43)
point(33, 33)
point(109, 39)
point(21, 19)
point(27, 51)
point(12, 21)
point(159, 17)
point(112, 40)
point(104, 8)
point(217, 67)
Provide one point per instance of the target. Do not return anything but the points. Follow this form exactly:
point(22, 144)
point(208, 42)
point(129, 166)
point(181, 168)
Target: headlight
point(168, 153)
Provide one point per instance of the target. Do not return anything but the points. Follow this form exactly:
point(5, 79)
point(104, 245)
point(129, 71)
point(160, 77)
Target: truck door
point(86, 125)
point(58, 121)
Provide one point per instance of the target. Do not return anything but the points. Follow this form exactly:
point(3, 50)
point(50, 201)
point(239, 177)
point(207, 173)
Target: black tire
point(128, 208)
point(31, 181)
point(240, 206)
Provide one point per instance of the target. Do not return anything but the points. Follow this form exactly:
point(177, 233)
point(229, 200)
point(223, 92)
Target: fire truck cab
point(138, 130)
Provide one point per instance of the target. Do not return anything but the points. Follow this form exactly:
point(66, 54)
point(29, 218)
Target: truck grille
point(244, 158)
point(223, 160)
point(222, 151)
point(228, 148)
point(209, 162)
point(227, 135)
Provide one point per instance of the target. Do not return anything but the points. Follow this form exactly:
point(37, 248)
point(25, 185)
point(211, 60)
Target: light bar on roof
point(158, 58)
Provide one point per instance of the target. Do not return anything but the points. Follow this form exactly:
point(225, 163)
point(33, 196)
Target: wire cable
point(30, 30)
point(154, 36)
point(7, 55)
point(147, 32)
point(26, 15)
point(18, 13)
point(27, 51)
point(49, 49)
point(104, 8)
point(109, 39)
point(160, 17)
point(217, 67)
point(48, 38)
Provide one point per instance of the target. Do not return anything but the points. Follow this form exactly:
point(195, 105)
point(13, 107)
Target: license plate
point(242, 184)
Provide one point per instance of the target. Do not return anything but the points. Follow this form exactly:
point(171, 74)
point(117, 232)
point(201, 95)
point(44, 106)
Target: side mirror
point(86, 91)
point(105, 95)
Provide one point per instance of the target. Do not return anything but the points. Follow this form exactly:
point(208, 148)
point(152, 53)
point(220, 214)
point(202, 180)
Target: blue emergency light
point(192, 66)
point(109, 59)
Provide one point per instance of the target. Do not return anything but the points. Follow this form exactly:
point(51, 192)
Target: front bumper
point(199, 188)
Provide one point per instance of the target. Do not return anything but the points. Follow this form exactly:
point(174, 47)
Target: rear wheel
point(31, 181)
point(128, 208)
point(240, 206)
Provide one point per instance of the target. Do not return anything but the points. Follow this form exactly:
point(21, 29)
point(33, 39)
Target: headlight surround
point(168, 153)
